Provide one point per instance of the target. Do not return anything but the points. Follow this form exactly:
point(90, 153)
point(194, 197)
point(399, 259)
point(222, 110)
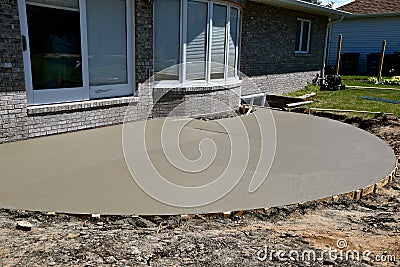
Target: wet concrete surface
point(86, 172)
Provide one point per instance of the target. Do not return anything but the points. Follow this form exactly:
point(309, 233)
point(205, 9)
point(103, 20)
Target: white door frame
point(86, 92)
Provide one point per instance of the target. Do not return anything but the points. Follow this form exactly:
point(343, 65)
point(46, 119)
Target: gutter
point(299, 5)
point(328, 27)
point(373, 15)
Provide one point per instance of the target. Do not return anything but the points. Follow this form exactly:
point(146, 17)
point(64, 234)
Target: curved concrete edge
point(353, 195)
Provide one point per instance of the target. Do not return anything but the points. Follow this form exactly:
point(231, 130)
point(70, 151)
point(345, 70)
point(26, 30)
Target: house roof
point(364, 7)
point(305, 7)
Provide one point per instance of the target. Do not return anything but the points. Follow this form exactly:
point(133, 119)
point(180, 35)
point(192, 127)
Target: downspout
point(328, 27)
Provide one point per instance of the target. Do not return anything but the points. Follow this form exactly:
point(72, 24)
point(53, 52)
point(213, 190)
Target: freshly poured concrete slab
point(86, 172)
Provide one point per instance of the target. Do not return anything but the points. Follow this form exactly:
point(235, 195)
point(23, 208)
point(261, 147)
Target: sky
point(338, 3)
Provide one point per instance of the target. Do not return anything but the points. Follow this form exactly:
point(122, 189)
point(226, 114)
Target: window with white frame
point(303, 34)
point(77, 49)
point(196, 40)
point(254, 100)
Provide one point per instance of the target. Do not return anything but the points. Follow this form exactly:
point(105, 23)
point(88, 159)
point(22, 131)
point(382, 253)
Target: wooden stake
point(381, 61)
point(338, 54)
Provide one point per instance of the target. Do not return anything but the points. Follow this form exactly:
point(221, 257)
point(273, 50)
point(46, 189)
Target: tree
point(319, 2)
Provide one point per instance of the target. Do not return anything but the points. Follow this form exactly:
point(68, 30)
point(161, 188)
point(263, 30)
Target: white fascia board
point(306, 7)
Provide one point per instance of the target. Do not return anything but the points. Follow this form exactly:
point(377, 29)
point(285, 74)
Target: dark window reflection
point(55, 47)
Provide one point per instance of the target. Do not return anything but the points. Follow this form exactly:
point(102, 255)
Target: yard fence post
point(338, 54)
point(381, 60)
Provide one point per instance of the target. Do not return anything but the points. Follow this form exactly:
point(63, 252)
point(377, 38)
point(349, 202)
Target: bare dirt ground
point(286, 236)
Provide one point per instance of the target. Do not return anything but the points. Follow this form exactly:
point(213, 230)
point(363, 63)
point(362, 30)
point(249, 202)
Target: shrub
point(373, 80)
point(395, 80)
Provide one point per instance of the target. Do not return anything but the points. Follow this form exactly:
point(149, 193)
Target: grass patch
point(350, 99)
point(355, 78)
point(363, 81)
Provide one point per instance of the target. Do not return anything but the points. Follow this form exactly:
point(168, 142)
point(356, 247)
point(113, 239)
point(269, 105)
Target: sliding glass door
point(76, 49)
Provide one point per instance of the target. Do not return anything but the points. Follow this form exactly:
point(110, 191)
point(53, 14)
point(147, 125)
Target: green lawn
point(363, 81)
point(349, 99)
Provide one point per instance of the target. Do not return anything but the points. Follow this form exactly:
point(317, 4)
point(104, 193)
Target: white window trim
point(64, 95)
point(252, 97)
point(51, 6)
point(182, 82)
point(196, 83)
point(301, 37)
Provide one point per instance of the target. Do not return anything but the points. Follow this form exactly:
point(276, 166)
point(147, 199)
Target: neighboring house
point(371, 22)
point(67, 65)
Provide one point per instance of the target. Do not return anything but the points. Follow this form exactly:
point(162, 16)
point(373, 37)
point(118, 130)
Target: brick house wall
point(196, 100)
point(268, 44)
point(269, 62)
point(13, 112)
point(143, 40)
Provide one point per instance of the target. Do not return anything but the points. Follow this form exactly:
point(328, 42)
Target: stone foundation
point(278, 84)
point(194, 101)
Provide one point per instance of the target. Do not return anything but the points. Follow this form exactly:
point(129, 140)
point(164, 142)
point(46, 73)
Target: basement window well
point(195, 42)
point(254, 100)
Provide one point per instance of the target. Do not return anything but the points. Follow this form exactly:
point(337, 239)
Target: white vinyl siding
point(365, 36)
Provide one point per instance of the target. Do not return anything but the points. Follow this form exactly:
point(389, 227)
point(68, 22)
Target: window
point(254, 100)
point(201, 36)
point(303, 33)
point(55, 46)
point(196, 40)
point(106, 45)
point(233, 43)
point(76, 49)
point(166, 39)
point(218, 41)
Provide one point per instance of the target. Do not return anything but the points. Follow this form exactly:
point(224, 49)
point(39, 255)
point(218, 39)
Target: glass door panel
point(166, 39)
point(108, 37)
point(106, 28)
point(196, 40)
point(233, 43)
point(218, 41)
point(55, 45)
